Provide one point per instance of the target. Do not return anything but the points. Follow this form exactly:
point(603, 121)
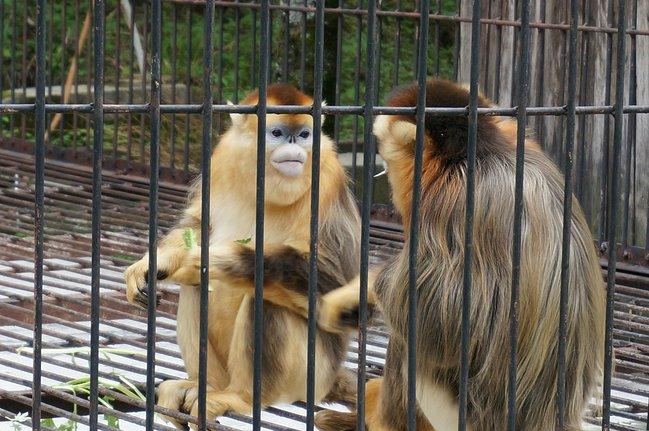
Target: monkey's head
point(288, 139)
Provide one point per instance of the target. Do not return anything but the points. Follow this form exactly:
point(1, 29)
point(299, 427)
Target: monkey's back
point(440, 282)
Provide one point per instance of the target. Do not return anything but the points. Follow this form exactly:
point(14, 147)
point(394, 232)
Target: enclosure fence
point(573, 72)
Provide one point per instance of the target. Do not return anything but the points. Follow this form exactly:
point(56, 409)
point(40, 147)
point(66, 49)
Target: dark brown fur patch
point(284, 265)
point(280, 94)
point(450, 134)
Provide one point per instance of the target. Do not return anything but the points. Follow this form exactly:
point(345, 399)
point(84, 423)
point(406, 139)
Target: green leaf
point(243, 241)
point(190, 238)
point(112, 421)
point(49, 422)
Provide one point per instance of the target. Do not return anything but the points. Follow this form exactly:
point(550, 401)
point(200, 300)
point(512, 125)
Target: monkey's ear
point(322, 119)
point(386, 128)
point(237, 119)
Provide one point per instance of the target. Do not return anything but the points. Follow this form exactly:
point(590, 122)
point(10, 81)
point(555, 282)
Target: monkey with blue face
point(289, 140)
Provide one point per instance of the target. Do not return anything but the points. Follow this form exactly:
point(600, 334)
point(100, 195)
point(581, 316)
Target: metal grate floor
point(66, 297)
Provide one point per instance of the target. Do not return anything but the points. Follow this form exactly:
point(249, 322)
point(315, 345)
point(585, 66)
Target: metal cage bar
point(470, 204)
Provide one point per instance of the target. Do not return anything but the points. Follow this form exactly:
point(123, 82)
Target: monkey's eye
point(276, 133)
point(305, 134)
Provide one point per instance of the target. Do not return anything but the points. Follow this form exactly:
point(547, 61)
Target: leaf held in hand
point(189, 237)
point(243, 241)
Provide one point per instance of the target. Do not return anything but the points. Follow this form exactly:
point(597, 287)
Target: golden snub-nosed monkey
point(440, 266)
point(289, 141)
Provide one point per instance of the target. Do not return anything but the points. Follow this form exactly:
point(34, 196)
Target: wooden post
point(548, 68)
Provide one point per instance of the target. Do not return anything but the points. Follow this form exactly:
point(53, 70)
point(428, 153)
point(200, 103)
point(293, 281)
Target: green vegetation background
point(182, 58)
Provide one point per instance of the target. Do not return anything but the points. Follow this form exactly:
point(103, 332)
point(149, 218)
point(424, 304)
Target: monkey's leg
point(330, 420)
point(344, 389)
point(385, 401)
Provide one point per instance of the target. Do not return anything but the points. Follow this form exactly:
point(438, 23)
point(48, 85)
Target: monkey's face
point(289, 146)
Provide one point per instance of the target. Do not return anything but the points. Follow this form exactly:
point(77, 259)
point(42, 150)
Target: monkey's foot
point(178, 395)
point(219, 403)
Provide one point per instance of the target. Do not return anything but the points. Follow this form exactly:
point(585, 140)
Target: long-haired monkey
point(440, 264)
point(289, 140)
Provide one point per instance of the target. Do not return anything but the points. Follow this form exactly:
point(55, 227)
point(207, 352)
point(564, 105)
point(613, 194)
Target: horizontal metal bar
point(415, 15)
point(15, 108)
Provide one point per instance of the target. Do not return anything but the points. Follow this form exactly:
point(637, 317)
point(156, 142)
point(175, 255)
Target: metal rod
point(614, 206)
point(264, 49)
point(39, 219)
point(567, 215)
point(523, 90)
point(470, 203)
point(97, 157)
point(368, 173)
point(318, 69)
point(206, 176)
point(154, 160)
point(413, 237)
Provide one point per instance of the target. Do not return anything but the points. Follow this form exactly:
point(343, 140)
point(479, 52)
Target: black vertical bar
point(303, 48)
point(604, 166)
point(174, 81)
point(219, 70)
point(567, 213)
point(413, 241)
point(2, 43)
point(614, 206)
point(470, 203)
point(131, 60)
point(97, 157)
point(437, 47)
point(64, 27)
point(206, 150)
point(458, 40)
point(143, 87)
point(339, 65)
point(50, 45)
point(118, 64)
point(188, 92)
point(286, 42)
point(631, 135)
point(23, 118)
point(264, 49)
point(583, 72)
point(540, 79)
point(368, 171)
point(39, 218)
point(397, 48)
point(89, 72)
point(237, 24)
point(253, 53)
point(318, 68)
point(12, 64)
point(357, 89)
point(523, 88)
point(154, 160)
point(75, 116)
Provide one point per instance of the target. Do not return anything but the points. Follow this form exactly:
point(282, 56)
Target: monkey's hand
point(137, 275)
point(339, 310)
point(189, 272)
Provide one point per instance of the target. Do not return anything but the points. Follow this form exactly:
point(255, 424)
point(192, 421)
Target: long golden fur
point(286, 248)
point(440, 261)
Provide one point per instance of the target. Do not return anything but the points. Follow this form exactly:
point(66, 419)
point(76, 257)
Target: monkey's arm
point(286, 272)
point(339, 310)
point(171, 254)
